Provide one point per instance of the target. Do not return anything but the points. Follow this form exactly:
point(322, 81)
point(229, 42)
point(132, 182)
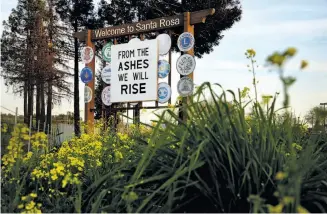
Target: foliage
point(207, 36)
point(220, 160)
point(316, 117)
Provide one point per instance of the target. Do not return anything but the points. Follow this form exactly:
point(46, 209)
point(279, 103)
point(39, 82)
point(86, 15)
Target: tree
point(209, 35)
point(76, 14)
point(18, 47)
point(99, 86)
point(30, 61)
point(206, 35)
point(316, 117)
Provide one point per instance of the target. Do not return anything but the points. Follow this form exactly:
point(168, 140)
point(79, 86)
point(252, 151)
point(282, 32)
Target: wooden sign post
point(88, 114)
point(188, 20)
point(190, 29)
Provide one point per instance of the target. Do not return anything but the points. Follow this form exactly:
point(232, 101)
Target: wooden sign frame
point(188, 20)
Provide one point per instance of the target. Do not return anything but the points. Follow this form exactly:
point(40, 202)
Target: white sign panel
point(134, 69)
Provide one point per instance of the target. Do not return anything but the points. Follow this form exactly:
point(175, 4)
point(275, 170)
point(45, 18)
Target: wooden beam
point(81, 36)
point(151, 25)
point(138, 27)
point(200, 16)
point(185, 100)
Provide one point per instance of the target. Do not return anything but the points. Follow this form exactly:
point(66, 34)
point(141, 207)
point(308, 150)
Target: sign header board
point(145, 26)
point(134, 72)
point(138, 27)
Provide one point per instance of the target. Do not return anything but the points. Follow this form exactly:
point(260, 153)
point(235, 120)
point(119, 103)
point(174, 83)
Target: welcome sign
point(139, 27)
point(134, 72)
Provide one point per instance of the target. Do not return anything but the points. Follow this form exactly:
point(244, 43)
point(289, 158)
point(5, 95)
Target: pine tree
point(19, 42)
point(29, 60)
point(76, 14)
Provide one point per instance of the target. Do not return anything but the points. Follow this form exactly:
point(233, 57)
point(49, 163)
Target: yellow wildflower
point(251, 52)
point(118, 155)
point(301, 209)
point(26, 137)
point(288, 200)
point(153, 123)
point(64, 183)
point(131, 196)
point(33, 195)
point(98, 163)
point(276, 209)
point(30, 205)
point(280, 176)
point(276, 59)
point(304, 64)
point(4, 128)
point(54, 177)
point(290, 51)
point(28, 156)
point(297, 146)
point(21, 206)
point(170, 106)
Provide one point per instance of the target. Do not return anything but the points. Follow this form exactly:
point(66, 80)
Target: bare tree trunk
point(76, 88)
point(25, 102)
point(37, 100)
point(42, 116)
point(50, 72)
point(49, 105)
point(30, 98)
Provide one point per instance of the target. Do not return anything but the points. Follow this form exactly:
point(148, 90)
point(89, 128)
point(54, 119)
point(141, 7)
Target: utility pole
point(324, 104)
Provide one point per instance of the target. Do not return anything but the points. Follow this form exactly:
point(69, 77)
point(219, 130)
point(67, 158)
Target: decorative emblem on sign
point(105, 96)
point(106, 74)
point(87, 54)
point(164, 43)
point(134, 40)
point(164, 92)
point(87, 94)
point(163, 68)
point(185, 64)
point(86, 75)
point(106, 52)
point(185, 86)
point(185, 41)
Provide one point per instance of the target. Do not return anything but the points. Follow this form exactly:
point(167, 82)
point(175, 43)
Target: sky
point(266, 26)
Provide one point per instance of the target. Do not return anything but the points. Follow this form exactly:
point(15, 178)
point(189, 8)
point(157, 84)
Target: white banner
point(134, 72)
